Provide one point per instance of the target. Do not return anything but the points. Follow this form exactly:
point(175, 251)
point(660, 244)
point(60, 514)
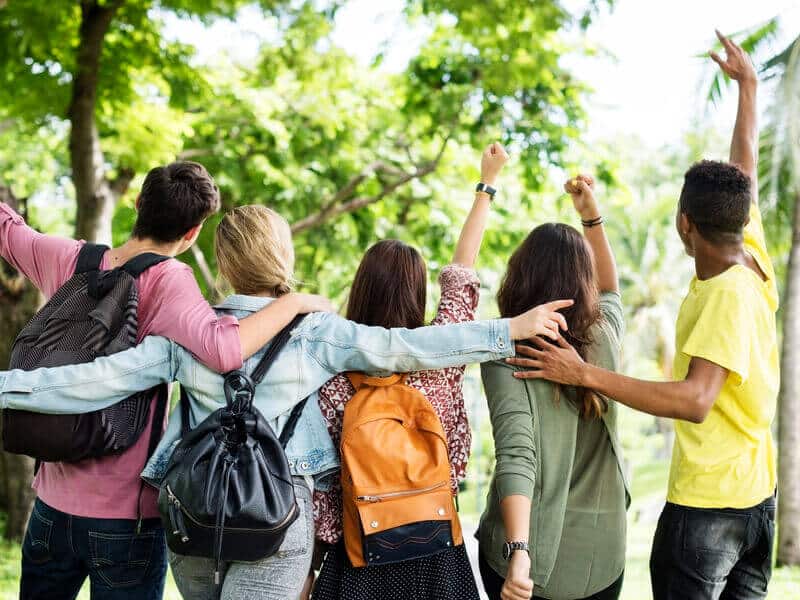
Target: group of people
point(555, 520)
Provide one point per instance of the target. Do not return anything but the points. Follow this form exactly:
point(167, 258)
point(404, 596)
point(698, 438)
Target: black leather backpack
point(93, 314)
point(228, 492)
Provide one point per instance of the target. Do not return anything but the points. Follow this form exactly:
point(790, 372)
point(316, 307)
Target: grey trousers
point(279, 577)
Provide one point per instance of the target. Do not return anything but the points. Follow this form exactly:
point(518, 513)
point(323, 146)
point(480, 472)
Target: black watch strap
point(510, 547)
point(486, 189)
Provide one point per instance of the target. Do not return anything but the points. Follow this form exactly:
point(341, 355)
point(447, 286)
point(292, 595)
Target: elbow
point(698, 407)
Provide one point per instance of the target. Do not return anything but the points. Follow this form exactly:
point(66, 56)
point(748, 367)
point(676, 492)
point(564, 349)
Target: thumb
point(559, 304)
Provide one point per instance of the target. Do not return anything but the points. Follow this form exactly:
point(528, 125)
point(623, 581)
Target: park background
point(364, 119)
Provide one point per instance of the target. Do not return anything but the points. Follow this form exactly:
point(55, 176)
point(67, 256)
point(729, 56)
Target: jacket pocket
point(121, 559)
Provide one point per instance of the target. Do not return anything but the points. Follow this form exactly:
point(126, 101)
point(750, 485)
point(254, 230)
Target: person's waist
point(768, 505)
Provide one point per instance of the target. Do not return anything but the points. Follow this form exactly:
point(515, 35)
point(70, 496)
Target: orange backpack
point(397, 500)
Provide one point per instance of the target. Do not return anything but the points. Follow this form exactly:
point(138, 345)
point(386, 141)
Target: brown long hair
point(389, 287)
point(555, 262)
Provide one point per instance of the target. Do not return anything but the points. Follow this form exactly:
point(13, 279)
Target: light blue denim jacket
point(322, 346)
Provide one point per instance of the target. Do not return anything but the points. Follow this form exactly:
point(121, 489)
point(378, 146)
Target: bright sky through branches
point(647, 77)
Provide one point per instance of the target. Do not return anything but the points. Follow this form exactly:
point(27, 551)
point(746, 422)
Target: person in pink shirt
point(113, 533)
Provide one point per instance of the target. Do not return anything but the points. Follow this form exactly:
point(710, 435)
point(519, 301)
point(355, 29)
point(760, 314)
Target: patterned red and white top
point(458, 303)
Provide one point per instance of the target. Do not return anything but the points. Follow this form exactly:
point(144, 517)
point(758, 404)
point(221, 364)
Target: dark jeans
point(713, 554)
point(493, 584)
point(60, 551)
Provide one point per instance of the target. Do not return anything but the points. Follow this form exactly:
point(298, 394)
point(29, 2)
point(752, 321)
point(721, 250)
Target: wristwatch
point(510, 547)
point(486, 189)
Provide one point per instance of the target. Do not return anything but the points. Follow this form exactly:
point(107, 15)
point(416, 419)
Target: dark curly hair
point(716, 197)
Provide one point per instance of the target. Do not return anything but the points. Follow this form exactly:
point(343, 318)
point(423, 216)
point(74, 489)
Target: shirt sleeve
point(460, 289)
point(722, 333)
point(512, 428)
point(48, 261)
point(339, 345)
point(177, 310)
point(87, 387)
point(613, 314)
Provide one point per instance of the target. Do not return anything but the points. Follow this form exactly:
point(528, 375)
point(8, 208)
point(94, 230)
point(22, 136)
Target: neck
point(135, 246)
point(711, 260)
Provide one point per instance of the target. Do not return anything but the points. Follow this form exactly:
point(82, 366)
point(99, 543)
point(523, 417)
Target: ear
point(685, 225)
point(191, 235)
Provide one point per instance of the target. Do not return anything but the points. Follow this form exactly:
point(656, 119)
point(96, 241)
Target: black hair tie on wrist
point(593, 222)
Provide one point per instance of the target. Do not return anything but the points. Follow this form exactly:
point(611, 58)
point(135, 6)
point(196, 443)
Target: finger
point(541, 345)
point(548, 331)
point(559, 304)
point(528, 363)
point(526, 350)
point(541, 374)
point(561, 320)
point(718, 59)
point(562, 342)
point(727, 43)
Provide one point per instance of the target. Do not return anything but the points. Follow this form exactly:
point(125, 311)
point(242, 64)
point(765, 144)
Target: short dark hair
point(716, 197)
point(174, 199)
point(389, 287)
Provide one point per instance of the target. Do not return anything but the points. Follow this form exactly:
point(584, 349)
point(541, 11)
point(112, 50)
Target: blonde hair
point(254, 251)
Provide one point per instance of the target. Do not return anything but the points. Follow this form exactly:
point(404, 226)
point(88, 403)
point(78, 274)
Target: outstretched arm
point(469, 243)
point(581, 189)
point(744, 145)
point(688, 400)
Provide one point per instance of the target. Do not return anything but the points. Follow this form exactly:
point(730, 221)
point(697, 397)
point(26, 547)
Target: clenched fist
point(492, 161)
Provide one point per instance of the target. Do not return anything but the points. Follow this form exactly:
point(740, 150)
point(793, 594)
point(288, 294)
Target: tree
point(348, 153)
point(779, 175)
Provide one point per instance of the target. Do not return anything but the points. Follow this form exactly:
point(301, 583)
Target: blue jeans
point(713, 553)
point(60, 551)
point(277, 577)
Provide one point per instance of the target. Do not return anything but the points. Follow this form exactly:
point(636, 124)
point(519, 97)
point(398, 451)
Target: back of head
point(716, 197)
point(555, 262)
point(254, 251)
point(389, 287)
point(173, 200)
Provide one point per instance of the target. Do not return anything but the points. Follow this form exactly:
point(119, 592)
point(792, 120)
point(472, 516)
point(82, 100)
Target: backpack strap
point(274, 349)
point(90, 257)
point(158, 419)
point(185, 409)
point(140, 263)
point(288, 430)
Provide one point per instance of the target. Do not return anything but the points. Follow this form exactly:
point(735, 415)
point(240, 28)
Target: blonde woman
point(255, 254)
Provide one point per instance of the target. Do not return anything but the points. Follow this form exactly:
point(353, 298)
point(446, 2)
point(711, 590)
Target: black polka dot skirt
point(443, 576)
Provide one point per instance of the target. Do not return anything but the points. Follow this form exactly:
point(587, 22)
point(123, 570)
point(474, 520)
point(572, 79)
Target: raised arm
point(469, 243)
point(744, 145)
point(581, 189)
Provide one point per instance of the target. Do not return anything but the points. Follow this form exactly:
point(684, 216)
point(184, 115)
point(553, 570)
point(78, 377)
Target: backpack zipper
point(390, 495)
point(173, 501)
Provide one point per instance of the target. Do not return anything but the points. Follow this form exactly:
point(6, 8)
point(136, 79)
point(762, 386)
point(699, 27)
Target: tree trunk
point(96, 196)
point(789, 411)
point(18, 302)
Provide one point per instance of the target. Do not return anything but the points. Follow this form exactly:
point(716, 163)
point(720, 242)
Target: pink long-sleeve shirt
point(171, 305)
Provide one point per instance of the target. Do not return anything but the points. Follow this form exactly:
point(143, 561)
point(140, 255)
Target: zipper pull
point(368, 498)
point(139, 525)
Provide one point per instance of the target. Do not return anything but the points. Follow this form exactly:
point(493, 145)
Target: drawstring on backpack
point(220, 524)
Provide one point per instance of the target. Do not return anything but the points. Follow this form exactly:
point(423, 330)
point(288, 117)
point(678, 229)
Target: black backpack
point(228, 492)
point(93, 314)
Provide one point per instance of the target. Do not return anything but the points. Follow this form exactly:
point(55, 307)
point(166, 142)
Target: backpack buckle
point(239, 391)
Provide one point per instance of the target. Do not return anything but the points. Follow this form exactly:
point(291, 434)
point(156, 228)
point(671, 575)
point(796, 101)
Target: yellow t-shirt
point(729, 460)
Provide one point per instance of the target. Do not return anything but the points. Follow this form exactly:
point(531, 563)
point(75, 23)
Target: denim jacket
point(322, 346)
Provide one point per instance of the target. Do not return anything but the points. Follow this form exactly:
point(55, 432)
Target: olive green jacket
point(536, 438)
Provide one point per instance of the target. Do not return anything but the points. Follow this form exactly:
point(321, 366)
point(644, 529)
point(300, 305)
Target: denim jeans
point(60, 551)
point(277, 577)
point(713, 554)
